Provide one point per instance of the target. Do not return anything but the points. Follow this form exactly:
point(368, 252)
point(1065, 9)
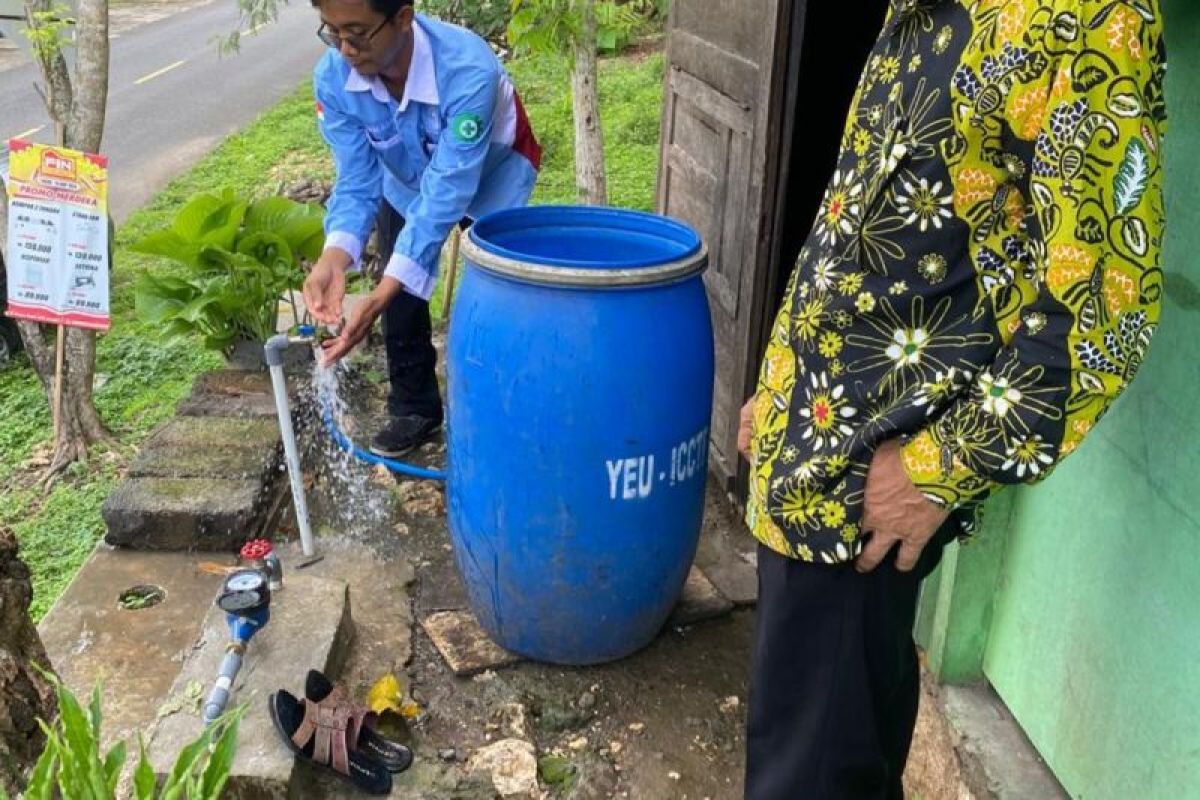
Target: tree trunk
point(86, 128)
point(24, 695)
point(78, 109)
point(590, 181)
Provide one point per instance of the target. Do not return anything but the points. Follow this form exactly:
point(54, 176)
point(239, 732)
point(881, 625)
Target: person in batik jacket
point(981, 282)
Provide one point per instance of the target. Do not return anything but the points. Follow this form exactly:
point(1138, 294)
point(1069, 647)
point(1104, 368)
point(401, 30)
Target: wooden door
point(726, 60)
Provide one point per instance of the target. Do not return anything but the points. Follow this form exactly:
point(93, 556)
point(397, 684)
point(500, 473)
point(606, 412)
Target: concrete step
point(244, 463)
point(310, 628)
point(185, 513)
point(214, 432)
point(230, 393)
point(207, 483)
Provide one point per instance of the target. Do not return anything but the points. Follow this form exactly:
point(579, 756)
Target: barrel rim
point(578, 273)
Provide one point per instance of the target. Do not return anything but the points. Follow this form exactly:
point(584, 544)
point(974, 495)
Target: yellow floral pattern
point(983, 277)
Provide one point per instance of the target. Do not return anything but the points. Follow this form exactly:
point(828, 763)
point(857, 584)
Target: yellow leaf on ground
point(386, 695)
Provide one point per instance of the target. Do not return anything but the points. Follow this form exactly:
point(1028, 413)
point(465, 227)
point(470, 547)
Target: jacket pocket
point(383, 137)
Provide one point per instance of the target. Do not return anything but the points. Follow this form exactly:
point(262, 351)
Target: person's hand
point(325, 287)
point(894, 510)
point(361, 320)
point(746, 429)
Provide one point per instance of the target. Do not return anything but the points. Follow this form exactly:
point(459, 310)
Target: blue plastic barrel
point(580, 369)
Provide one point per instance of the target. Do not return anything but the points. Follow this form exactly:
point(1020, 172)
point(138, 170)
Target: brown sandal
point(327, 734)
point(394, 756)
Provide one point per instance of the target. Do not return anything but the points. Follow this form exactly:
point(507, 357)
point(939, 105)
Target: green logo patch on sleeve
point(467, 127)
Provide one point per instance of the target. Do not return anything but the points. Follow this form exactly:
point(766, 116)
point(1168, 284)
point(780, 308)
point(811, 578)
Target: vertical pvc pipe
point(292, 456)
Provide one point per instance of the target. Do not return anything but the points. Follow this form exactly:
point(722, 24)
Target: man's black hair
point(389, 8)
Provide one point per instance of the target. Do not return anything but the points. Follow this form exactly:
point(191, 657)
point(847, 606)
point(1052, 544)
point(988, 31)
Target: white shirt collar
point(421, 85)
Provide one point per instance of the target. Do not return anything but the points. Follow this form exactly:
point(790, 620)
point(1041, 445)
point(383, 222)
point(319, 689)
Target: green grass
point(630, 98)
point(145, 378)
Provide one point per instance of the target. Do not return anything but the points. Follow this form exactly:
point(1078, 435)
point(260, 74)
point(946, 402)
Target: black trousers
point(408, 338)
point(835, 682)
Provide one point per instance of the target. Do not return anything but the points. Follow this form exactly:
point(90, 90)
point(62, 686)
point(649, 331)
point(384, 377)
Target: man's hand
point(365, 314)
point(746, 429)
point(325, 287)
point(894, 510)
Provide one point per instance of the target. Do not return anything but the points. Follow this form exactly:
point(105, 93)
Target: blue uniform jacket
point(457, 144)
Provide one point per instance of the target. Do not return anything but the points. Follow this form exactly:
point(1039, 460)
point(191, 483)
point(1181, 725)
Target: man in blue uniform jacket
point(427, 132)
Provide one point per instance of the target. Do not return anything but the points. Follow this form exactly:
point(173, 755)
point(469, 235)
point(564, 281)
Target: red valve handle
point(256, 549)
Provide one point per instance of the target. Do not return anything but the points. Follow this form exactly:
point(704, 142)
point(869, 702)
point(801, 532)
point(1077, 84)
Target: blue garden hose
point(343, 441)
point(275, 348)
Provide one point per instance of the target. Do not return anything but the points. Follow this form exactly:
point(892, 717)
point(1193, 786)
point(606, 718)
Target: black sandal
point(394, 756)
point(327, 735)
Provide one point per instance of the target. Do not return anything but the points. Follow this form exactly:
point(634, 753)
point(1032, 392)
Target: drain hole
point(138, 597)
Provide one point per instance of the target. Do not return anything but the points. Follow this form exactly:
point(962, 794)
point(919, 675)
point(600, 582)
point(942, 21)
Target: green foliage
point(47, 31)
point(558, 772)
point(553, 27)
point(62, 533)
point(238, 258)
point(72, 766)
point(488, 18)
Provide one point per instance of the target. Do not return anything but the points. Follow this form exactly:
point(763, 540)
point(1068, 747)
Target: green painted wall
point(1095, 630)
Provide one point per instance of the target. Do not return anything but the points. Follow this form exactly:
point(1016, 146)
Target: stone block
point(310, 628)
point(184, 513)
point(211, 405)
point(736, 578)
point(216, 432)
point(234, 383)
point(210, 462)
point(231, 393)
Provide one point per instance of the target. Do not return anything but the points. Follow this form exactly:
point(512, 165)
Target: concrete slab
point(310, 628)
point(184, 514)
point(700, 601)
point(138, 654)
point(464, 644)
point(250, 407)
point(135, 654)
point(968, 746)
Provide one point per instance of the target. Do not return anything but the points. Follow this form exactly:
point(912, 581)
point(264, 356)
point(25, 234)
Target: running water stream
point(354, 497)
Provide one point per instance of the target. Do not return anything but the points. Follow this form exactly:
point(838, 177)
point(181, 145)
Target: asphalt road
point(172, 96)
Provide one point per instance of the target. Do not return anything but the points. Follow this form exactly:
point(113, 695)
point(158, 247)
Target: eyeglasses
point(358, 41)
